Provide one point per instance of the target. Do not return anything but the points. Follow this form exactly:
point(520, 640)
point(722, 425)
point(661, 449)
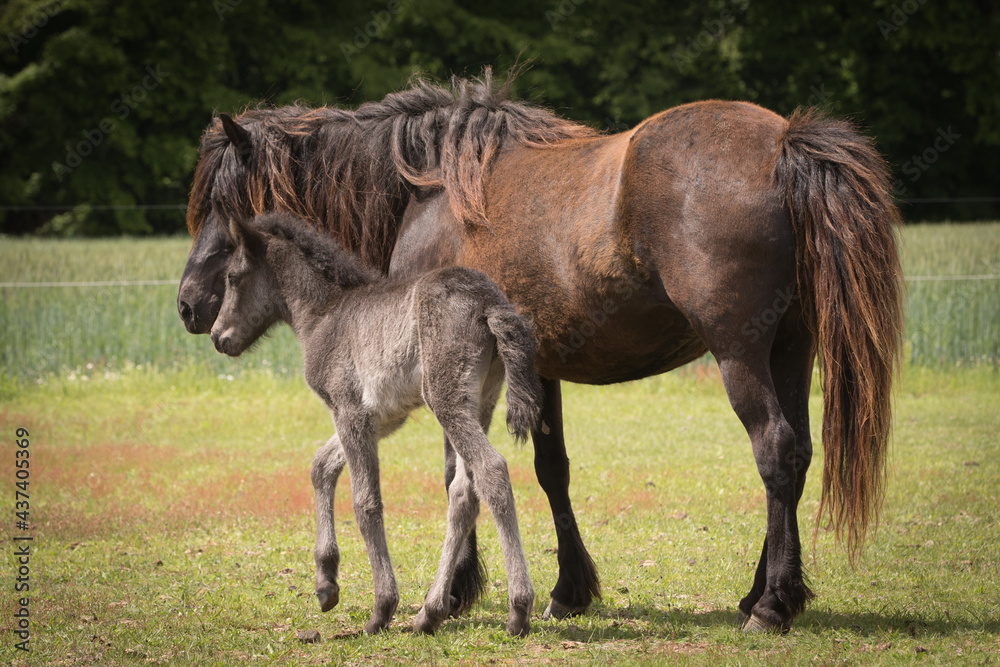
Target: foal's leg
point(492, 484)
point(491, 481)
point(578, 583)
point(469, 581)
point(361, 449)
point(463, 508)
point(327, 465)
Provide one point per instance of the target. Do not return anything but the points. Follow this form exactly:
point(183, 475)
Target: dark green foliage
point(133, 84)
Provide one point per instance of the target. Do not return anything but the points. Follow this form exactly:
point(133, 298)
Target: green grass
point(55, 330)
point(953, 322)
point(173, 525)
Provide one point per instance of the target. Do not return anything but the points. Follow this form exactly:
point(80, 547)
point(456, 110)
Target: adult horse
point(714, 226)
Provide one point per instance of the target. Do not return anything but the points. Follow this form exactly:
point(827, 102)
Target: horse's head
point(218, 195)
point(252, 301)
point(350, 174)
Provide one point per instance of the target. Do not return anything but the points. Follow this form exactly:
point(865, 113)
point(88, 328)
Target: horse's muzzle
point(189, 318)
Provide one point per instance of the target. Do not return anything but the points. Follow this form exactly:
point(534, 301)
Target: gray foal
point(374, 351)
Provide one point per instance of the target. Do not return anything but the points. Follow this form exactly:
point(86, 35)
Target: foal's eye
point(234, 280)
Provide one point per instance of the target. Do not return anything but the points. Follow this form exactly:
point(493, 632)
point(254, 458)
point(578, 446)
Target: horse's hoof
point(427, 622)
point(423, 624)
point(756, 624)
point(741, 619)
point(518, 627)
point(558, 610)
point(382, 614)
point(328, 597)
point(374, 626)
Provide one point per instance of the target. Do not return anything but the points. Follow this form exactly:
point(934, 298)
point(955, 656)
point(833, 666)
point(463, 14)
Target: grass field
point(55, 330)
point(173, 525)
point(171, 507)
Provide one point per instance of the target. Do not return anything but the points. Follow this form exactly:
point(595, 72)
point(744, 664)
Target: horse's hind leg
point(791, 369)
point(492, 483)
point(746, 374)
point(463, 508)
point(327, 465)
point(469, 581)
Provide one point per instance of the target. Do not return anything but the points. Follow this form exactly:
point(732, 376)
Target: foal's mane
point(351, 172)
point(322, 254)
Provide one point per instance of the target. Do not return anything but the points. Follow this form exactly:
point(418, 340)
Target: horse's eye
point(234, 280)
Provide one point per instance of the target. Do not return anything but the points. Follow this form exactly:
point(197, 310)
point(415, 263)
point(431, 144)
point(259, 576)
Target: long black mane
point(352, 172)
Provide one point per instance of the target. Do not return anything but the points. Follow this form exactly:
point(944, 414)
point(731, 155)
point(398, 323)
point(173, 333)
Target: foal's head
point(279, 265)
point(252, 302)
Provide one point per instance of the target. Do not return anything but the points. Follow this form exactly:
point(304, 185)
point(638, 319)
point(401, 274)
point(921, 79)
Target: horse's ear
point(239, 136)
point(245, 233)
point(236, 232)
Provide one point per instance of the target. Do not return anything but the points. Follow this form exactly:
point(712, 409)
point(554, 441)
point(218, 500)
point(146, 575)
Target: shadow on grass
point(863, 625)
point(639, 622)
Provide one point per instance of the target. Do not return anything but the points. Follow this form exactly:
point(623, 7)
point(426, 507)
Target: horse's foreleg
point(463, 508)
point(327, 465)
point(469, 581)
point(578, 583)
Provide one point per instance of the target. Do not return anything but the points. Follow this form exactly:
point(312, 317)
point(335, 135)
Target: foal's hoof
point(382, 614)
point(518, 626)
point(376, 625)
point(425, 623)
point(557, 610)
point(741, 619)
point(756, 625)
point(328, 597)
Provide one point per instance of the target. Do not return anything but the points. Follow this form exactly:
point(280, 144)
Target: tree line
point(102, 102)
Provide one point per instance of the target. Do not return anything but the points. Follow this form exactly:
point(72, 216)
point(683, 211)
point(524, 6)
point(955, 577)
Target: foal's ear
point(239, 136)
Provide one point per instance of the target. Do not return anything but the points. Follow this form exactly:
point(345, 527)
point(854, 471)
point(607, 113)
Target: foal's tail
point(516, 346)
point(850, 284)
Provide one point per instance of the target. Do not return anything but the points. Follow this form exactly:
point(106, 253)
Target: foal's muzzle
point(225, 344)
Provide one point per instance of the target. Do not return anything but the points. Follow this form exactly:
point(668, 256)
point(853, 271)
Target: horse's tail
point(516, 347)
point(849, 280)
